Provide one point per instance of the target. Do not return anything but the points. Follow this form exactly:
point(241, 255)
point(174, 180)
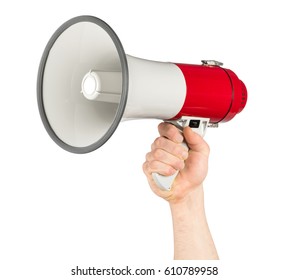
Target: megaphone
point(87, 85)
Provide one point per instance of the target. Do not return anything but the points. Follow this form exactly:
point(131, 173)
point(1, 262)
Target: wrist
point(193, 199)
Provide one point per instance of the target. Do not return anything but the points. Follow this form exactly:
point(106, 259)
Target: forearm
point(192, 238)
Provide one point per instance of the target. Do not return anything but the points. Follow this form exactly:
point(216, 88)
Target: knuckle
point(144, 167)
point(160, 126)
point(159, 142)
point(158, 154)
point(147, 156)
point(154, 165)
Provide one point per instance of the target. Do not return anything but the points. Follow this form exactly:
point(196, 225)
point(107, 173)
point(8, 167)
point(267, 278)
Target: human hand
point(168, 155)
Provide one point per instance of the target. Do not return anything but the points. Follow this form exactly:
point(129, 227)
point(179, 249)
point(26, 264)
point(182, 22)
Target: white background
point(59, 210)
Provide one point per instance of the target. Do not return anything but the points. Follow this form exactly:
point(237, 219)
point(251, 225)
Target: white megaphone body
point(87, 84)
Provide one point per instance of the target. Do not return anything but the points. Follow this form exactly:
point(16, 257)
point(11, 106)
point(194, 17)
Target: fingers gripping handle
point(165, 182)
point(198, 125)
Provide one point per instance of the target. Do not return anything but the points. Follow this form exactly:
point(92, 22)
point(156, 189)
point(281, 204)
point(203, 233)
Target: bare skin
point(192, 237)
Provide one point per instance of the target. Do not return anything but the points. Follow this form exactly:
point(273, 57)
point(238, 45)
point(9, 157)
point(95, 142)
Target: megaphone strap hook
point(212, 63)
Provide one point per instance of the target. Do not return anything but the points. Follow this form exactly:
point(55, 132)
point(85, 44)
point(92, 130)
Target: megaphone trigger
point(198, 125)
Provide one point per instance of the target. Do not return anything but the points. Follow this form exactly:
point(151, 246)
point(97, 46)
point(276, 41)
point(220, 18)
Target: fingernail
point(184, 154)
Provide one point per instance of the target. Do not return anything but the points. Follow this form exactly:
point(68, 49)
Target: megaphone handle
point(198, 125)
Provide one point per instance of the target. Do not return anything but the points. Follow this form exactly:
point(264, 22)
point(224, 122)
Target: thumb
point(195, 142)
